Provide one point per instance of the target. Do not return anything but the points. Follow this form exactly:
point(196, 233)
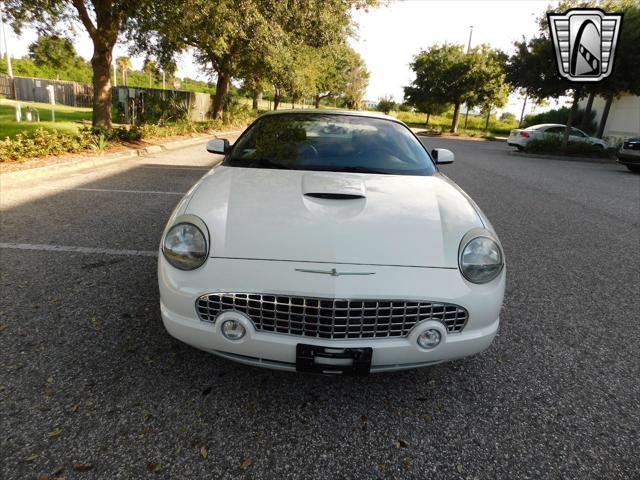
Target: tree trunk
point(466, 117)
point(149, 79)
point(605, 115)
point(316, 101)
point(257, 98)
point(522, 113)
point(456, 117)
point(101, 65)
point(276, 99)
point(587, 112)
point(572, 113)
point(428, 117)
point(486, 124)
point(222, 87)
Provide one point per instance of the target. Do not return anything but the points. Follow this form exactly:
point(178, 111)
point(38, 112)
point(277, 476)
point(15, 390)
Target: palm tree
point(125, 64)
point(150, 68)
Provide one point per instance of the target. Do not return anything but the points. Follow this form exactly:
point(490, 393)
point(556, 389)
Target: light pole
point(466, 115)
point(6, 43)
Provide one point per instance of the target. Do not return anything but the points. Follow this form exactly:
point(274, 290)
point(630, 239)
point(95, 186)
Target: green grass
point(442, 123)
point(66, 118)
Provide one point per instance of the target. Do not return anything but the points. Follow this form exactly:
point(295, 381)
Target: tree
point(124, 64)
point(386, 104)
point(356, 84)
point(243, 30)
point(533, 66)
point(54, 52)
point(150, 68)
point(102, 19)
point(447, 75)
point(336, 64)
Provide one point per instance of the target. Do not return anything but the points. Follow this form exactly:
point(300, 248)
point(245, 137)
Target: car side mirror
point(442, 156)
point(220, 146)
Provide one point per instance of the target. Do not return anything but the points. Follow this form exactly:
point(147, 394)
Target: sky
point(389, 36)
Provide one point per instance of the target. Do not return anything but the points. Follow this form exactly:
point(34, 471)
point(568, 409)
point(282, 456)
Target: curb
point(566, 158)
point(109, 159)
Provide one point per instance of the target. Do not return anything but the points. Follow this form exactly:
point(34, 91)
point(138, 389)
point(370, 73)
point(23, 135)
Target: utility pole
point(6, 43)
point(466, 115)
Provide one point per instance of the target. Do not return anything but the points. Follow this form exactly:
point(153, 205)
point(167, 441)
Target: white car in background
point(519, 138)
point(329, 242)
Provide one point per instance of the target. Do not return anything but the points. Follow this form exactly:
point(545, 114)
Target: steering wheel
point(306, 149)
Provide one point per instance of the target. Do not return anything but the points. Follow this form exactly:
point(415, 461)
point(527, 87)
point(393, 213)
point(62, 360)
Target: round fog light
point(429, 339)
point(233, 330)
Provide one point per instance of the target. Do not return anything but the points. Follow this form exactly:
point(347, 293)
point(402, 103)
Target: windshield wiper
point(361, 170)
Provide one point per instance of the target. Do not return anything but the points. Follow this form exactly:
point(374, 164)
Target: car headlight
point(481, 260)
point(185, 246)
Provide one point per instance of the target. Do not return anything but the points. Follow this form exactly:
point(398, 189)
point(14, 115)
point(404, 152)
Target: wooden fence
point(29, 89)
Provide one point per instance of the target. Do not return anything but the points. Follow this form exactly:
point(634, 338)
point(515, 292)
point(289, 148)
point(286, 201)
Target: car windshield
point(335, 143)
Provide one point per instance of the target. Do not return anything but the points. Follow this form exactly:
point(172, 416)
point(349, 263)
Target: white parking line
point(110, 190)
point(169, 167)
point(68, 248)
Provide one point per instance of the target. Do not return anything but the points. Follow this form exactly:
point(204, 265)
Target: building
point(623, 120)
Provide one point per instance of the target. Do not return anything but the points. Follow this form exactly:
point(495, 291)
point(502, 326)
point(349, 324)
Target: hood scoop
point(332, 186)
point(334, 196)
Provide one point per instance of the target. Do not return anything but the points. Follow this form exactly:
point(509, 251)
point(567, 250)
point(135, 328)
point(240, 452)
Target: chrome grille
point(331, 318)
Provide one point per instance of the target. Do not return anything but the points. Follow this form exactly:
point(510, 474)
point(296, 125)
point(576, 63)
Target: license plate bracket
point(333, 360)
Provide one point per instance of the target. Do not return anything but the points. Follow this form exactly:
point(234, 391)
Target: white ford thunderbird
point(329, 242)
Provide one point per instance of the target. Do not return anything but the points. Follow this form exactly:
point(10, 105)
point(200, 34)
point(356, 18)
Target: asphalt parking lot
point(91, 386)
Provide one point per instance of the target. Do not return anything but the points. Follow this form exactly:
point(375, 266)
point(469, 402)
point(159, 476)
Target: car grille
point(331, 318)
point(631, 145)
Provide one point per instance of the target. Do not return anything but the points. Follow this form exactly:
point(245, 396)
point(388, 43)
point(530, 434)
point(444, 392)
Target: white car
point(329, 242)
point(519, 138)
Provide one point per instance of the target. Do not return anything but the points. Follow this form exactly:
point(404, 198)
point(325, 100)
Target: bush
point(42, 143)
point(553, 145)
point(561, 115)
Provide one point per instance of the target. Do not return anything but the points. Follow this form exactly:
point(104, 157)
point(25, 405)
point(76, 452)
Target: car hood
point(333, 217)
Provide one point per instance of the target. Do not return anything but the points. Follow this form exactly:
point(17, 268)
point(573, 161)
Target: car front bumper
point(179, 291)
point(628, 156)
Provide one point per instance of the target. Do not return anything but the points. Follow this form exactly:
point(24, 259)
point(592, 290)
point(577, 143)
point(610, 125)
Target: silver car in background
point(519, 138)
point(629, 154)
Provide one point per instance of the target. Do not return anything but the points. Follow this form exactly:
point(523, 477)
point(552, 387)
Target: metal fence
point(132, 104)
point(30, 89)
point(138, 105)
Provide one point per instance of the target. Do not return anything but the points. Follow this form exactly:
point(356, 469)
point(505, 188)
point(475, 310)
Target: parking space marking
point(69, 248)
point(170, 167)
point(109, 190)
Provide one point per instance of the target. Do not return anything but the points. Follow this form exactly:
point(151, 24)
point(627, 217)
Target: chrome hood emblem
point(333, 272)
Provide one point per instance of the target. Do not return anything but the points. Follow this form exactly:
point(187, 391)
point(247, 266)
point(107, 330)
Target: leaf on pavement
point(460, 468)
point(55, 432)
point(246, 463)
point(400, 444)
point(43, 476)
point(204, 452)
point(154, 467)
point(82, 467)
point(3, 327)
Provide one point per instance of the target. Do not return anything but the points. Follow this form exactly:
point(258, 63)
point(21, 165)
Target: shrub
point(553, 145)
point(561, 115)
point(42, 143)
